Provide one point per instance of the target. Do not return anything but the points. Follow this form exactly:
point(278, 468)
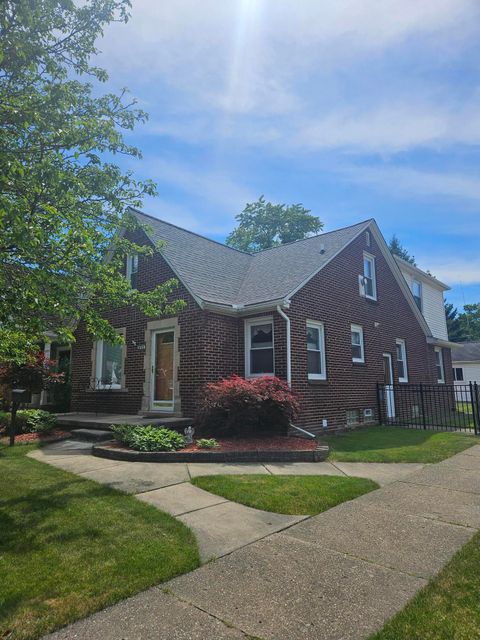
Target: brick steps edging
point(113, 453)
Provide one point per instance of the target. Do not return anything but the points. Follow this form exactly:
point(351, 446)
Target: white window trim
point(403, 347)
point(132, 266)
point(414, 282)
point(442, 366)
point(370, 258)
point(99, 363)
point(321, 329)
point(358, 328)
point(248, 323)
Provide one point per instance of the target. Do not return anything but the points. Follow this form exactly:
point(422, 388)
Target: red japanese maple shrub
point(236, 407)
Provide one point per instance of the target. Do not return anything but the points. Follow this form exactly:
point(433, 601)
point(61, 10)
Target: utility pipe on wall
point(289, 344)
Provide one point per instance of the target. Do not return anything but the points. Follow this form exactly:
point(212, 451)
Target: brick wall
point(332, 297)
point(212, 346)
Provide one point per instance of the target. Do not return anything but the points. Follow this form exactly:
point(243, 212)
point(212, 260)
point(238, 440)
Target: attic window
point(132, 270)
point(367, 238)
point(417, 293)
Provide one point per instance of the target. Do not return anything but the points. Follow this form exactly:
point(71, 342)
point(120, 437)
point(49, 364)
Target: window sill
point(318, 383)
point(373, 301)
point(123, 390)
point(359, 364)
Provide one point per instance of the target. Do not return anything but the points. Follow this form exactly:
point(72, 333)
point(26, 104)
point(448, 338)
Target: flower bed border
point(105, 450)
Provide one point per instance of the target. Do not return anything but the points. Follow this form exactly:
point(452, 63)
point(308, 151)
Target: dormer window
point(132, 270)
point(417, 293)
point(369, 276)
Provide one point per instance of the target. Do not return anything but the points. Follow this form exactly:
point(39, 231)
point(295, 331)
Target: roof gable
point(221, 275)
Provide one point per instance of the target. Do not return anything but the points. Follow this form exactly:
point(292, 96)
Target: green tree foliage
point(62, 197)
point(465, 326)
point(263, 225)
point(397, 249)
point(470, 321)
point(455, 332)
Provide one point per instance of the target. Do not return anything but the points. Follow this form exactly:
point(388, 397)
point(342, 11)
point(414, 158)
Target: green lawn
point(295, 495)
point(69, 546)
point(395, 444)
point(447, 608)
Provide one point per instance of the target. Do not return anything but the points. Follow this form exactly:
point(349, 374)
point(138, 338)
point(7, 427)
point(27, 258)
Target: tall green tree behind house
point(397, 249)
point(262, 225)
point(470, 322)
point(455, 330)
point(62, 196)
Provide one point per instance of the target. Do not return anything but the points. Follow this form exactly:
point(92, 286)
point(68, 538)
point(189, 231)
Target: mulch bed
point(272, 443)
point(56, 434)
point(266, 449)
point(276, 443)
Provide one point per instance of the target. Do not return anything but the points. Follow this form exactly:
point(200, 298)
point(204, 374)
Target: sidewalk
point(220, 526)
point(338, 575)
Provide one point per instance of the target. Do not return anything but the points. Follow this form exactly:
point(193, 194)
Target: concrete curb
point(105, 450)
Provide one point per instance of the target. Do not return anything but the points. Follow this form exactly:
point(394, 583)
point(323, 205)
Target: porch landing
point(104, 420)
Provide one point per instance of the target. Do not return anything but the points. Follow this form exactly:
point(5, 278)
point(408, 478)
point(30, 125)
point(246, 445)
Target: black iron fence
point(444, 407)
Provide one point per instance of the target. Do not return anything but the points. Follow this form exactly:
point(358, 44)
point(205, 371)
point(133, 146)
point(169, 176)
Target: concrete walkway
point(220, 526)
point(338, 575)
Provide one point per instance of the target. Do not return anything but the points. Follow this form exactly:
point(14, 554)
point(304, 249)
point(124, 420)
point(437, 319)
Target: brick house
point(333, 315)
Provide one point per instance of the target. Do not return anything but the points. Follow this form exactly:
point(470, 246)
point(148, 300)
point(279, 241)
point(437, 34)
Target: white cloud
point(453, 270)
point(209, 192)
point(272, 56)
point(395, 180)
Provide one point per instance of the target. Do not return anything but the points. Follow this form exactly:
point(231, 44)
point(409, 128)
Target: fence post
point(379, 405)
point(476, 407)
point(422, 397)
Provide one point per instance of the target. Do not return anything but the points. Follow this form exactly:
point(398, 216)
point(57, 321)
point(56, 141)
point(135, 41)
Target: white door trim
point(389, 389)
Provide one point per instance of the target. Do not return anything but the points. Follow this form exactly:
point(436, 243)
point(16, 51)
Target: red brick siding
point(212, 345)
point(332, 297)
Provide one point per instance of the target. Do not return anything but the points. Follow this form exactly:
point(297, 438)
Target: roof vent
point(322, 249)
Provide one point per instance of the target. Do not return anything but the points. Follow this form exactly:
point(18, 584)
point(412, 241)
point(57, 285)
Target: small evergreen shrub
point(148, 438)
point(207, 443)
point(238, 407)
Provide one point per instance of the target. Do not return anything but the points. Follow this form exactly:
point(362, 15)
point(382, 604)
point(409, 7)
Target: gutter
point(289, 344)
point(438, 342)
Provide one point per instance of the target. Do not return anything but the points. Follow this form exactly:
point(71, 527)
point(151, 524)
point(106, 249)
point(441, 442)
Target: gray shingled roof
point(216, 273)
point(468, 352)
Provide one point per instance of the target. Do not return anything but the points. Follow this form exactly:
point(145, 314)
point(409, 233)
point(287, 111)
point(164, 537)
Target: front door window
point(163, 370)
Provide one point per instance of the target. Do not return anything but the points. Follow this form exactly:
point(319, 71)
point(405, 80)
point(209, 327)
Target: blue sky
point(355, 108)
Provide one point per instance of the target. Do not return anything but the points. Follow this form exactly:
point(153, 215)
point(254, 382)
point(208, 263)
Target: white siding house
point(428, 293)
point(466, 363)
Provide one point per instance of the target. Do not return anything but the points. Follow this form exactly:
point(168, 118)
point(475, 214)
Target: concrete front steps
point(95, 427)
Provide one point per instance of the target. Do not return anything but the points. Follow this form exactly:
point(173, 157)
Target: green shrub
point(207, 443)
point(148, 438)
point(30, 421)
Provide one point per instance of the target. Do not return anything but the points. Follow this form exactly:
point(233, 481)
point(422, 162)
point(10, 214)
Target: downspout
point(289, 345)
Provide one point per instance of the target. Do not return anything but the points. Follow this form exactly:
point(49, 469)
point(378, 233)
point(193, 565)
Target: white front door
point(163, 370)
point(389, 390)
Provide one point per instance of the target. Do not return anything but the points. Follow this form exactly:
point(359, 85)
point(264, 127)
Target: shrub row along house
point(332, 314)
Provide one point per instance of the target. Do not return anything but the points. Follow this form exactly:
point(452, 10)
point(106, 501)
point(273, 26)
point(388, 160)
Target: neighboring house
point(466, 367)
point(332, 314)
point(428, 293)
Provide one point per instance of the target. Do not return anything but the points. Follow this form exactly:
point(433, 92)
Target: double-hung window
point(358, 350)
point(259, 356)
point(316, 351)
point(458, 374)
point(439, 365)
point(369, 276)
point(402, 361)
point(417, 293)
point(132, 270)
point(109, 365)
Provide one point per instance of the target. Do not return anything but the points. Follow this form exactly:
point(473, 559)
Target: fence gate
point(444, 407)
